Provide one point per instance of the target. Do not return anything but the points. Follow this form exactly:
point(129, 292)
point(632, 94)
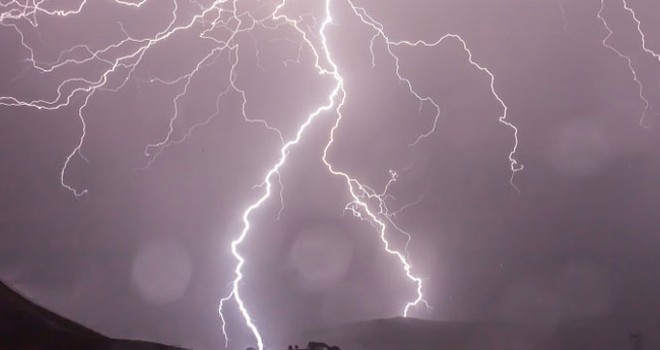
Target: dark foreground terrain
point(414, 334)
point(27, 326)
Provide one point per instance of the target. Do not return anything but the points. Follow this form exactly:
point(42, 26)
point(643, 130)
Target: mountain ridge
point(25, 325)
point(594, 333)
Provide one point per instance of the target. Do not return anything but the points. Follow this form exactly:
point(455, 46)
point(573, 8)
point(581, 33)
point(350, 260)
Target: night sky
point(145, 252)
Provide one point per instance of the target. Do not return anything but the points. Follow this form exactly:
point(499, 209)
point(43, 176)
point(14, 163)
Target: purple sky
point(145, 253)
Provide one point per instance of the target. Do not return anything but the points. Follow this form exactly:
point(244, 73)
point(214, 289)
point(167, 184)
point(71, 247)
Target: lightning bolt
point(642, 36)
point(336, 96)
point(364, 202)
point(639, 30)
point(120, 59)
point(627, 58)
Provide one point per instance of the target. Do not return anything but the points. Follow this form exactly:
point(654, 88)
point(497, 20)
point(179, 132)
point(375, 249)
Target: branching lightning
point(628, 59)
point(120, 59)
point(364, 201)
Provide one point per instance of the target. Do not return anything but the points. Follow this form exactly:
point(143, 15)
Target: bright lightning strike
point(365, 202)
point(337, 93)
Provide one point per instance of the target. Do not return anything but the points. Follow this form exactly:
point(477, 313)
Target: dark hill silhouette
point(27, 326)
point(416, 334)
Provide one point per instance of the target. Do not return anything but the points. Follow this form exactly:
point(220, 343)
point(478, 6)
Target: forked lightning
point(364, 202)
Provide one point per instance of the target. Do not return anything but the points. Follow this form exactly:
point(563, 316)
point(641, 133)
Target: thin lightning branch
point(361, 209)
point(631, 68)
point(639, 30)
point(515, 166)
point(89, 88)
point(133, 4)
point(390, 44)
point(389, 216)
point(644, 45)
point(379, 32)
point(159, 146)
point(163, 145)
point(380, 199)
point(411, 204)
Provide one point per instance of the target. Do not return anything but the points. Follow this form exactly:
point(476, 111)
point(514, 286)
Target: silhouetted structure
point(312, 346)
point(321, 346)
point(636, 340)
